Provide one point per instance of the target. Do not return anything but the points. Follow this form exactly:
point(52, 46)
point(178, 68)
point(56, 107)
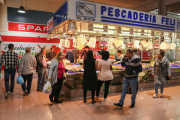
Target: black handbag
point(167, 77)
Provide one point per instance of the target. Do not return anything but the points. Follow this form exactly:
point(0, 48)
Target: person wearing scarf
point(160, 69)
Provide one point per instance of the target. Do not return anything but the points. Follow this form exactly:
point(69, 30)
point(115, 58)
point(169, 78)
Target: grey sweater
point(53, 71)
point(27, 64)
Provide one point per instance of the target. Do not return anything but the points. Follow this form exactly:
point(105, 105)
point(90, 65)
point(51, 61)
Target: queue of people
point(131, 61)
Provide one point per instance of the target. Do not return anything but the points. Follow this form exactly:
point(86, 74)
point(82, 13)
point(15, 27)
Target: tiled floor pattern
point(37, 106)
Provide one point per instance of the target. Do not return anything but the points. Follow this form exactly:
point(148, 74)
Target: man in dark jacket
point(51, 54)
point(41, 68)
point(133, 66)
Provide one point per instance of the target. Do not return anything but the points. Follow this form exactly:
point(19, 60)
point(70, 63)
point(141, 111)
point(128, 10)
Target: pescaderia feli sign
point(100, 13)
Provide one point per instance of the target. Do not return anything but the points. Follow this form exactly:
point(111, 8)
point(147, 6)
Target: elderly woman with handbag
point(161, 72)
point(56, 77)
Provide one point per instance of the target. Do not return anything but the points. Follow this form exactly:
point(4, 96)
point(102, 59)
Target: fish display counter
point(74, 76)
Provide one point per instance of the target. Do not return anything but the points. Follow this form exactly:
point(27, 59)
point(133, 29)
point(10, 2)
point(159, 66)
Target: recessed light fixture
point(21, 9)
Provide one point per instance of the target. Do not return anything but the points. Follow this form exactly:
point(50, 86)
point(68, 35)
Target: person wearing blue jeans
point(132, 82)
point(11, 62)
point(133, 67)
point(10, 71)
point(161, 68)
point(156, 88)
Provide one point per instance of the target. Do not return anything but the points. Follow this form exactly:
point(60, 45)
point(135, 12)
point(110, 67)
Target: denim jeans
point(132, 82)
point(7, 72)
point(156, 88)
point(41, 77)
point(27, 78)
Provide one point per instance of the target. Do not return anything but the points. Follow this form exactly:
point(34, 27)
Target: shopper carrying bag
point(161, 72)
point(56, 76)
point(105, 66)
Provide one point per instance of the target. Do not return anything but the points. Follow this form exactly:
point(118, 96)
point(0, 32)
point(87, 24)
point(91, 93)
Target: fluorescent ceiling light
point(21, 9)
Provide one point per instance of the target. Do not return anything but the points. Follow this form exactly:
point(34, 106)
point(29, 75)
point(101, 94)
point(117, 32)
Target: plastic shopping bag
point(47, 87)
point(104, 88)
point(20, 80)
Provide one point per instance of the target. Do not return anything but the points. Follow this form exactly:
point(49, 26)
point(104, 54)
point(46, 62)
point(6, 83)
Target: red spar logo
point(25, 27)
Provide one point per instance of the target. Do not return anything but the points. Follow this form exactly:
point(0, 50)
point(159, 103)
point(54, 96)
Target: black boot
point(57, 101)
point(93, 102)
point(132, 105)
point(51, 98)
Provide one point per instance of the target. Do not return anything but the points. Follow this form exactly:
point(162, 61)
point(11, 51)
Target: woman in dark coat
point(89, 76)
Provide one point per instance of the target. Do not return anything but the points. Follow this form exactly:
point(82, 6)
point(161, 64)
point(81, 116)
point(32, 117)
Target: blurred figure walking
point(10, 61)
point(26, 69)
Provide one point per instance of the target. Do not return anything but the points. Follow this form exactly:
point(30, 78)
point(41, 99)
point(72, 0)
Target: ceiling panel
point(120, 3)
point(174, 8)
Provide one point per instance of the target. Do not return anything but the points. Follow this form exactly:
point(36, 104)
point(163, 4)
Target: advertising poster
point(20, 47)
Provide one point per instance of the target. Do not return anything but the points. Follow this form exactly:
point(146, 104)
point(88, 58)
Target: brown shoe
point(25, 93)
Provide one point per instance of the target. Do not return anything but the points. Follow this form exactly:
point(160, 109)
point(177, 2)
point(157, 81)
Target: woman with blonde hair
point(56, 72)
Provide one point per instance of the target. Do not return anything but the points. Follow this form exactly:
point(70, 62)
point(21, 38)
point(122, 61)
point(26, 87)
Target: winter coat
point(160, 69)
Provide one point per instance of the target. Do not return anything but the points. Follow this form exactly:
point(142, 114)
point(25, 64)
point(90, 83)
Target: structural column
point(162, 8)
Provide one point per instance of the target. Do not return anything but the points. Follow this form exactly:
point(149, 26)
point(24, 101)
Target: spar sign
point(26, 27)
point(20, 47)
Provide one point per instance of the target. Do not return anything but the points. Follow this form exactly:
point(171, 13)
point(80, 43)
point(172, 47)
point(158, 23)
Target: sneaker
point(132, 106)
point(155, 96)
point(118, 105)
point(12, 93)
point(25, 93)
point(7, 95)
point(161, 95)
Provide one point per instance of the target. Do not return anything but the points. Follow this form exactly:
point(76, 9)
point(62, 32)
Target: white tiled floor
point(37, 106)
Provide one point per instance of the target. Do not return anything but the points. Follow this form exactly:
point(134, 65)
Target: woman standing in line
point(160, 70)
point(56, 72)
point(89, 76)
point(105, 67)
